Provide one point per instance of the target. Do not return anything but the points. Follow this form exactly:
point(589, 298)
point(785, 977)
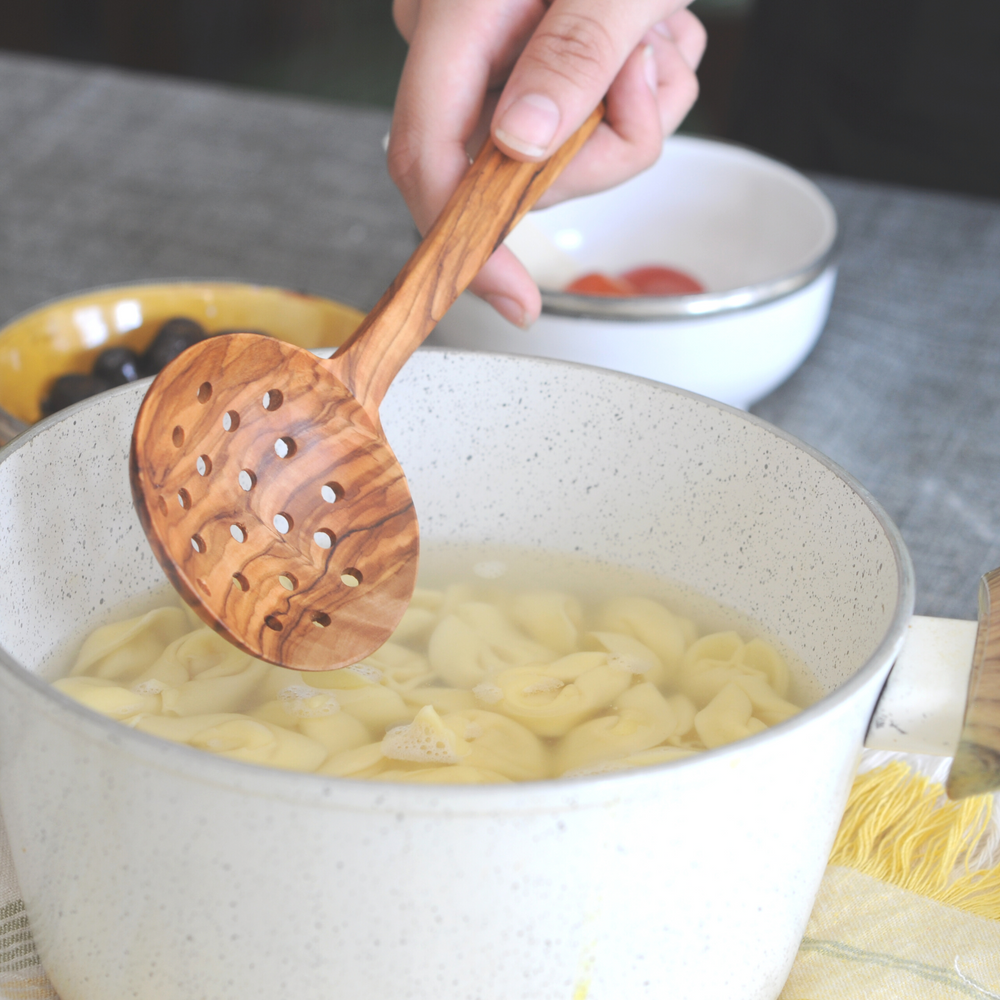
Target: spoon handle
point(976, 767)
point(494, 195)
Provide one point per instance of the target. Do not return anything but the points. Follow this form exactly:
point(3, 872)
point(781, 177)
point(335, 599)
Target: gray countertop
point(108, 177)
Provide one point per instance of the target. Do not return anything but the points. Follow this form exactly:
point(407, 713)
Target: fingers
point(678, 44)
point(569, 63)
point(559, 58)
point(648, 95)
point(626, 142)
point(458, 50)
point(689, 36)
point(506, 285)
point(406, 14)
point(630, 139)
point(455, 48)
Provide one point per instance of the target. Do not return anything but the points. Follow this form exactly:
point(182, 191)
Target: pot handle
point(943, 695)
point(976, 767)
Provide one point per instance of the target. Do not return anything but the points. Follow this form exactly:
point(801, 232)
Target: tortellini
point(552, 698)
point(123, 650)
point(478, 685)
point(202, 673)
point(239, 738)
point(714, 662)
point(109, 698)
point(642, 718)
point(549, 617)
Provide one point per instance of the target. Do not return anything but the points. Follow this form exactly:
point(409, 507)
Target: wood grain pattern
point(243, 441)
point(373, 523)
point(976, 767)
point(495, 194)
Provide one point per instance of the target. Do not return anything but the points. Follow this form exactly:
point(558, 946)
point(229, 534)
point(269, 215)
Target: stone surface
point(109, 176)
point(903, 388)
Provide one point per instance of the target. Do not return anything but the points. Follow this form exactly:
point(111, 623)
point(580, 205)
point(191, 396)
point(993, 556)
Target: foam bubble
point(366, 671)
point(426, 740)
point(152, 686)
point(488, 693)
point(544, 685)
point(627, 664)
point(491, 569)
point(304, 702)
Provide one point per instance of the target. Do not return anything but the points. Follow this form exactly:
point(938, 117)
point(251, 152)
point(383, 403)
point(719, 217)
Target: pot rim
point(548, 795)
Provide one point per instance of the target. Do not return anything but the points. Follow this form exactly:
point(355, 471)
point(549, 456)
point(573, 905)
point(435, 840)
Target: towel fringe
point(900, 827)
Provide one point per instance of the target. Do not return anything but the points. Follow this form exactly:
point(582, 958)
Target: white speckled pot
point(155, 871)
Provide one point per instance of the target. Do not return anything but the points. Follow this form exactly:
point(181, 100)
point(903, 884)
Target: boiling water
point(507, 666)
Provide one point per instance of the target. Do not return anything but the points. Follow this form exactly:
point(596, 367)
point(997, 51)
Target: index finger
point(569, 63)
point(457, 47)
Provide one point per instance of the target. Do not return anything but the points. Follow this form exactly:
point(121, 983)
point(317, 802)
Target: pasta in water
point(480, 684)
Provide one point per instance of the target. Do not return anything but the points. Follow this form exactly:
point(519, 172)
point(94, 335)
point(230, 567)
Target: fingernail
point(662, 28)
point(649, 67)
point(529, 124)
point(509, 308)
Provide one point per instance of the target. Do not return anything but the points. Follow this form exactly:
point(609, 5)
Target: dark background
point(896, 90)
point(338, 49)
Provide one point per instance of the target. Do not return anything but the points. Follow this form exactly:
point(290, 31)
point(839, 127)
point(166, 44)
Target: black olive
point(69, 389)
point(118, 365)
point(175, 336)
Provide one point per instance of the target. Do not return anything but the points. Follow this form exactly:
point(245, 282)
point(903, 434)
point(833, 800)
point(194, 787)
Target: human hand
point(530, 71)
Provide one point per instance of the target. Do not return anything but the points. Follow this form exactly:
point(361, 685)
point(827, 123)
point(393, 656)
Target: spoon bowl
point(275, 513)
point(244, 448)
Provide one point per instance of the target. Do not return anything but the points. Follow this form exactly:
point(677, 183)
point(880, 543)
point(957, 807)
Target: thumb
point(568, 65)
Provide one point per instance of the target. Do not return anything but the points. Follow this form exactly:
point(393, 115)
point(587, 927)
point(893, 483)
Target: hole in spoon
point(177, 436)
point(288, 581)
point(198, 543)
point(272, 399)
point(203, 465)
point(161, 502)
point(203, 583)
point(238, 531)
point(283, 522)
point(204, 392)
point(321, 619)
point(230, 420)
point(272, 623)
point(240, 582)
point(325, 538)
point(332, 492)
point(284, 447)
point(184, 498)
point(247, 480)
point(351, 577)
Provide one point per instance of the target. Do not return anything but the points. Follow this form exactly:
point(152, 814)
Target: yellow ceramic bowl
point(67, 335)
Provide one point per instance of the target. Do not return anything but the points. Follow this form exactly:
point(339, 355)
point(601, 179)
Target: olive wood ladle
point(261, 475)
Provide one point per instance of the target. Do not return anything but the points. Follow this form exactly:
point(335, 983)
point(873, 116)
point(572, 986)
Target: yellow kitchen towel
point(909, 908)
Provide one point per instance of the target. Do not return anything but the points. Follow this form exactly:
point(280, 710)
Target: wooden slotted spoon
point(261, 474)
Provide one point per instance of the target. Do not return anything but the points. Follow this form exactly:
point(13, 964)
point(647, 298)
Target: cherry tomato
point(658, 280)
point(600, 284)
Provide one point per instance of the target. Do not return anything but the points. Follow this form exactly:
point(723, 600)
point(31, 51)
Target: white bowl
point(758, 235)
